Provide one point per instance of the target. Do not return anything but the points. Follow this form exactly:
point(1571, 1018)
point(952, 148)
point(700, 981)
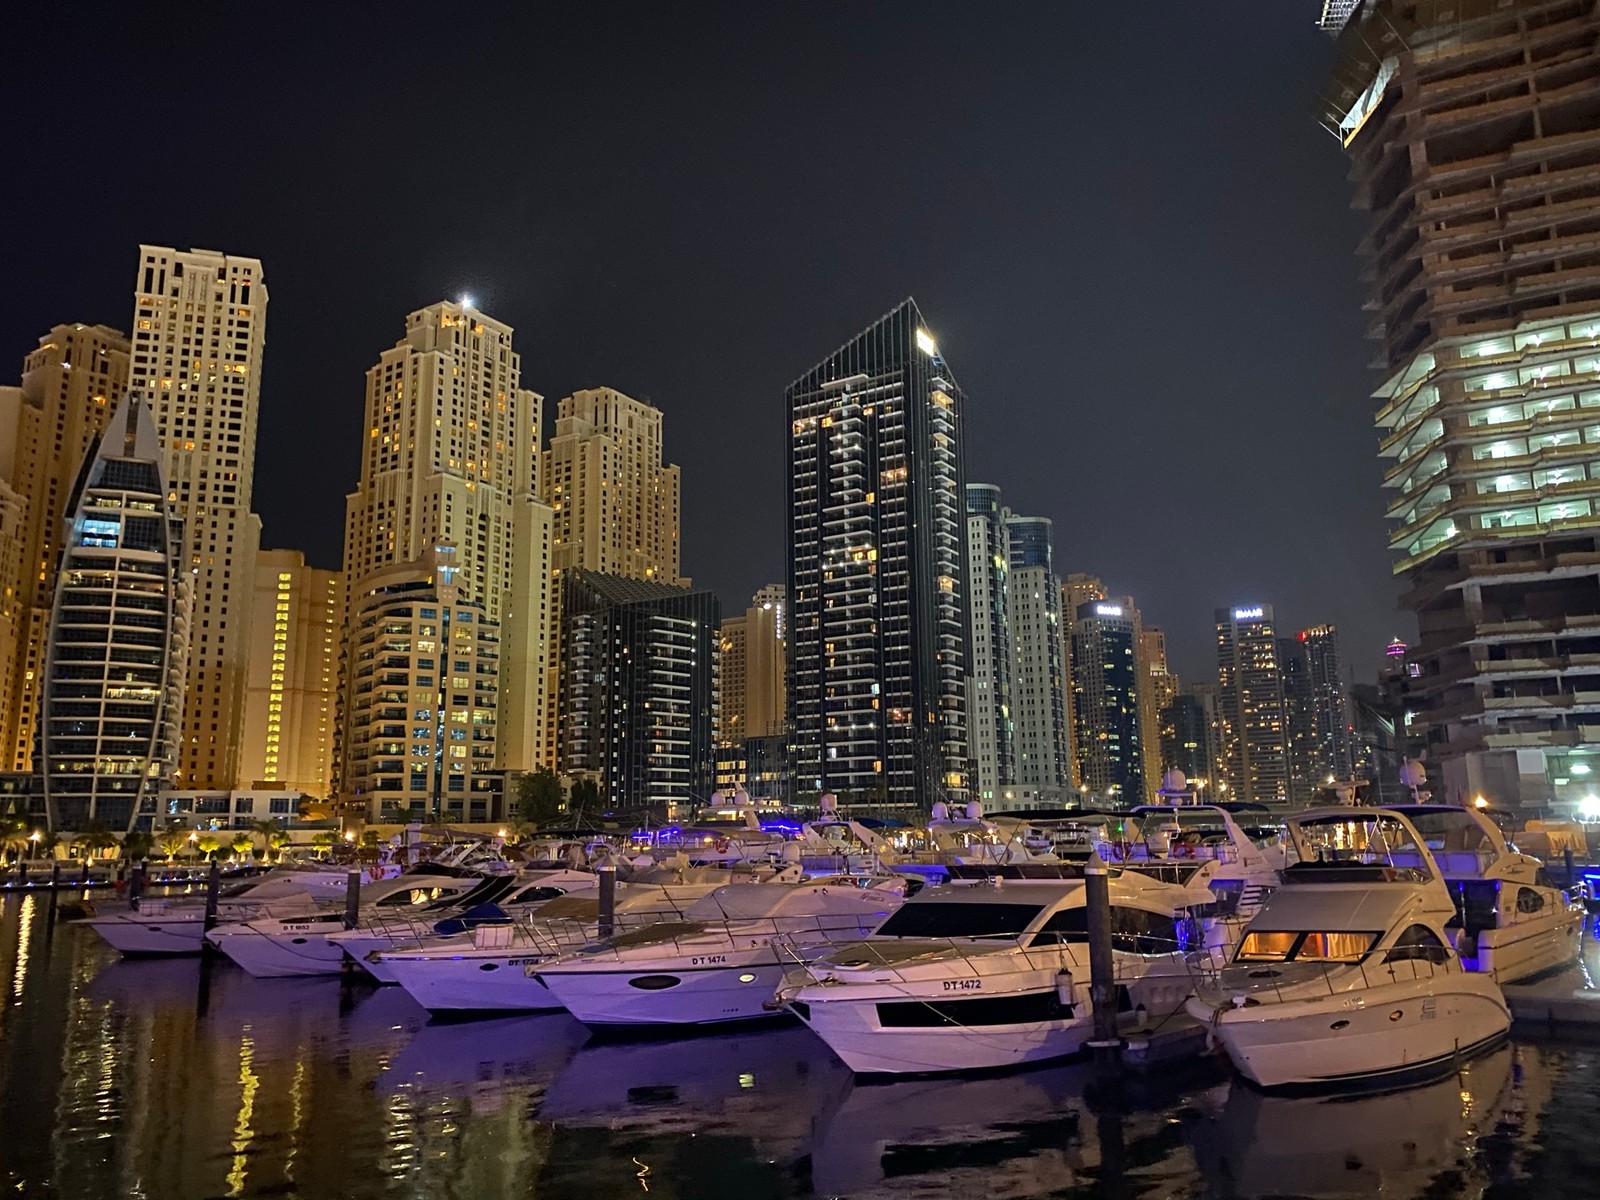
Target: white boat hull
point(704, 995)
point(473, 983)
point(130, 934)
point(1378, 1034)
point(1528, 948)
point(854, 1031)
point(290, 951)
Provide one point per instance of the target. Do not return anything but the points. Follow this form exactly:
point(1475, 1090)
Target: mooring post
point(352, 899)
point(135, 885)
point(1106, 1044)
point(213, 890)
point(1572, 874)
point(608, 898)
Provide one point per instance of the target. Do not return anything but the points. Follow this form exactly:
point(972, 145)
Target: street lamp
point(34, 839)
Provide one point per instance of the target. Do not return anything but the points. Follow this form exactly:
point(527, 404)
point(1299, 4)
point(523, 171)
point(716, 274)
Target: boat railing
point(691, 937)
point(1219, 982)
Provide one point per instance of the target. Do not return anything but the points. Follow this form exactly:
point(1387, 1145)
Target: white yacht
point(486, 970)
point(1511, 921)
point(176, 925)
point(976, 976)
point(1347, 975)
point(723, 961)
point(270, 946)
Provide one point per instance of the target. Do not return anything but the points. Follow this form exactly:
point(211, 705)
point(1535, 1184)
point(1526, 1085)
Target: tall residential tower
point(877, 570)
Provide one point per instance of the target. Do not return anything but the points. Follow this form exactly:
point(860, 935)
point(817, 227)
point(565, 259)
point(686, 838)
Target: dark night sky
point(1122, 221)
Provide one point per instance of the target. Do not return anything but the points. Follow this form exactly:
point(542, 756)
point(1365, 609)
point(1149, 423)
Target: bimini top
point(753, 901)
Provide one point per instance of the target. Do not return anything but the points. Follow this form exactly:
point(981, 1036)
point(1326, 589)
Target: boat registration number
point(963, 985)
point(708, 960)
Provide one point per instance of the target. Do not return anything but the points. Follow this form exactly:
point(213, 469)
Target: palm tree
point(172, 841)
point(14, 836)
point(264, 830)
point(208, 844)
point(276, 841)
point(242, 844)
point(95, 837)
point(137, 845)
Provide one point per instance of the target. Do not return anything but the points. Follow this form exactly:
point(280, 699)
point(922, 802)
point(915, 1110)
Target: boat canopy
point(751, 901)
point(1342, 907)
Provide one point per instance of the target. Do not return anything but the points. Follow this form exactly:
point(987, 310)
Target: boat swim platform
point(1562, 1005)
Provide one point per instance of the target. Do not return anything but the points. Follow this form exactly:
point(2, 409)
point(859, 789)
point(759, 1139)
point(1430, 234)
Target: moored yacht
point(723, 961)
point(1347, 975)
point(269, 946)
point(486, 969)
point(978, 976)
point(1511, 921)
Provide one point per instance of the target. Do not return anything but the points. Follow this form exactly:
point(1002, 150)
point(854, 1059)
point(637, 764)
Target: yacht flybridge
point(975, 976)
point(1348, 974)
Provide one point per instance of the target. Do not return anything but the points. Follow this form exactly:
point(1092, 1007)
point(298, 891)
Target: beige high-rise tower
point(70, 385)
point(291, 691)
point(450, 456)
point(615, 501)
point(199, 329)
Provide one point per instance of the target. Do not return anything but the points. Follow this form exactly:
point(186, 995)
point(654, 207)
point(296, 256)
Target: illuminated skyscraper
point(1107, 738)
point(877, 570)
point(450, 452)
point(1038, 658)
point(1473, 134)
point(1250, 699)
point(990, 725)
point(199, 329)
point(70, 385)
point(292, 689)
point(119, 637)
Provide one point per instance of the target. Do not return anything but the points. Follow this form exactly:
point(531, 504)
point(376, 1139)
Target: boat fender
point(1065, 989)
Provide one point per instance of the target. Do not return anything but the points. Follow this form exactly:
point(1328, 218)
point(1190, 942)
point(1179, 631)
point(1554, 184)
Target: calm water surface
point(156, 1079)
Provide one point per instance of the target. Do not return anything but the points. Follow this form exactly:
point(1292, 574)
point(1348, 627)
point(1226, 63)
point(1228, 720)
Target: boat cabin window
point(533, 894)
point(1261, 945)
point(1418, 942)
point(1068, 925)
point(413, 897)
point(1529, 901)
point(934, 919)
point(1139, 932)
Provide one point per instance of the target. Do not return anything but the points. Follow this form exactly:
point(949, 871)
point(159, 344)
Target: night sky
point(1122, 221)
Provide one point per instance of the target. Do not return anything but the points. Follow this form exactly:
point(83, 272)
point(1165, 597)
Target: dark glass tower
point(119, 637)
point(1105, 701)
point(638, 698)
point(878, 654)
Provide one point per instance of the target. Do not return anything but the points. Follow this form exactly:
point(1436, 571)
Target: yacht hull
point(1380, 1035)
point(669, 993)
point(1529, 948)
point(282, 953)
point(473, 983)
point(854, 1030)
point(138, 936)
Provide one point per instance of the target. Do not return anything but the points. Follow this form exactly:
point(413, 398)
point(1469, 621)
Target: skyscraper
point(119, 637)
point(615, 498)
point(1251, 702)
point(1157, 687)
point(750, 684)
point(292, 686)
point(70, 385)
point(775, 598)
point(198, 332)
point(1472, 130)
point(1324, 745)
point(877, 569)
point(419, 676)
point(450, 457)
point(638, 689)
point(1185, 740)
point(1039, 658)
point(1107, 738)
point(990, 727)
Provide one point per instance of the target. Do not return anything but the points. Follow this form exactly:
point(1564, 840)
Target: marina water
point(170, 1080)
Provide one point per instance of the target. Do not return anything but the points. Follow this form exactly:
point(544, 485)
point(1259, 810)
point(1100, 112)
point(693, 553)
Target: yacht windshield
point(1262, 945)
point(940, 920)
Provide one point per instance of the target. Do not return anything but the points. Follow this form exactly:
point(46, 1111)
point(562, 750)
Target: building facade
point(116, 661)
point(70, 384)
point(1107, 738)
point(638, 690)
point(292, 687)
point(751, 680)
point(1255, 723)
point(877, 570)
point(419, 680)
point(1472, 132)
point(1186, 738)
point(199, 329)
point(990, 728)
point(450, 455)
point(1158, 686)
point(1039, 654)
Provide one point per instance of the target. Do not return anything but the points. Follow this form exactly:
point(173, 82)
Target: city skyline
point(705, 345)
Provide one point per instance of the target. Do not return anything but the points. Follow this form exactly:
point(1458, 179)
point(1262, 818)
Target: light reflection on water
point(160, 1079)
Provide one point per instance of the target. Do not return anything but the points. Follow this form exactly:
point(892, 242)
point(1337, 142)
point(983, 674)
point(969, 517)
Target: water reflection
point(172, 1080)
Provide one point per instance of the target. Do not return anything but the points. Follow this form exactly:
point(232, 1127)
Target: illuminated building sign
point(1247, 614)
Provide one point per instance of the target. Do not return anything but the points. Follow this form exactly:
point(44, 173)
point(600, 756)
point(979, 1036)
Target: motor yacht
point(983, 975)
point(1348, 974)
point(723, 961)
point(485, 970)
point(176, 925)
point(270, 946)
point(1511, 921)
